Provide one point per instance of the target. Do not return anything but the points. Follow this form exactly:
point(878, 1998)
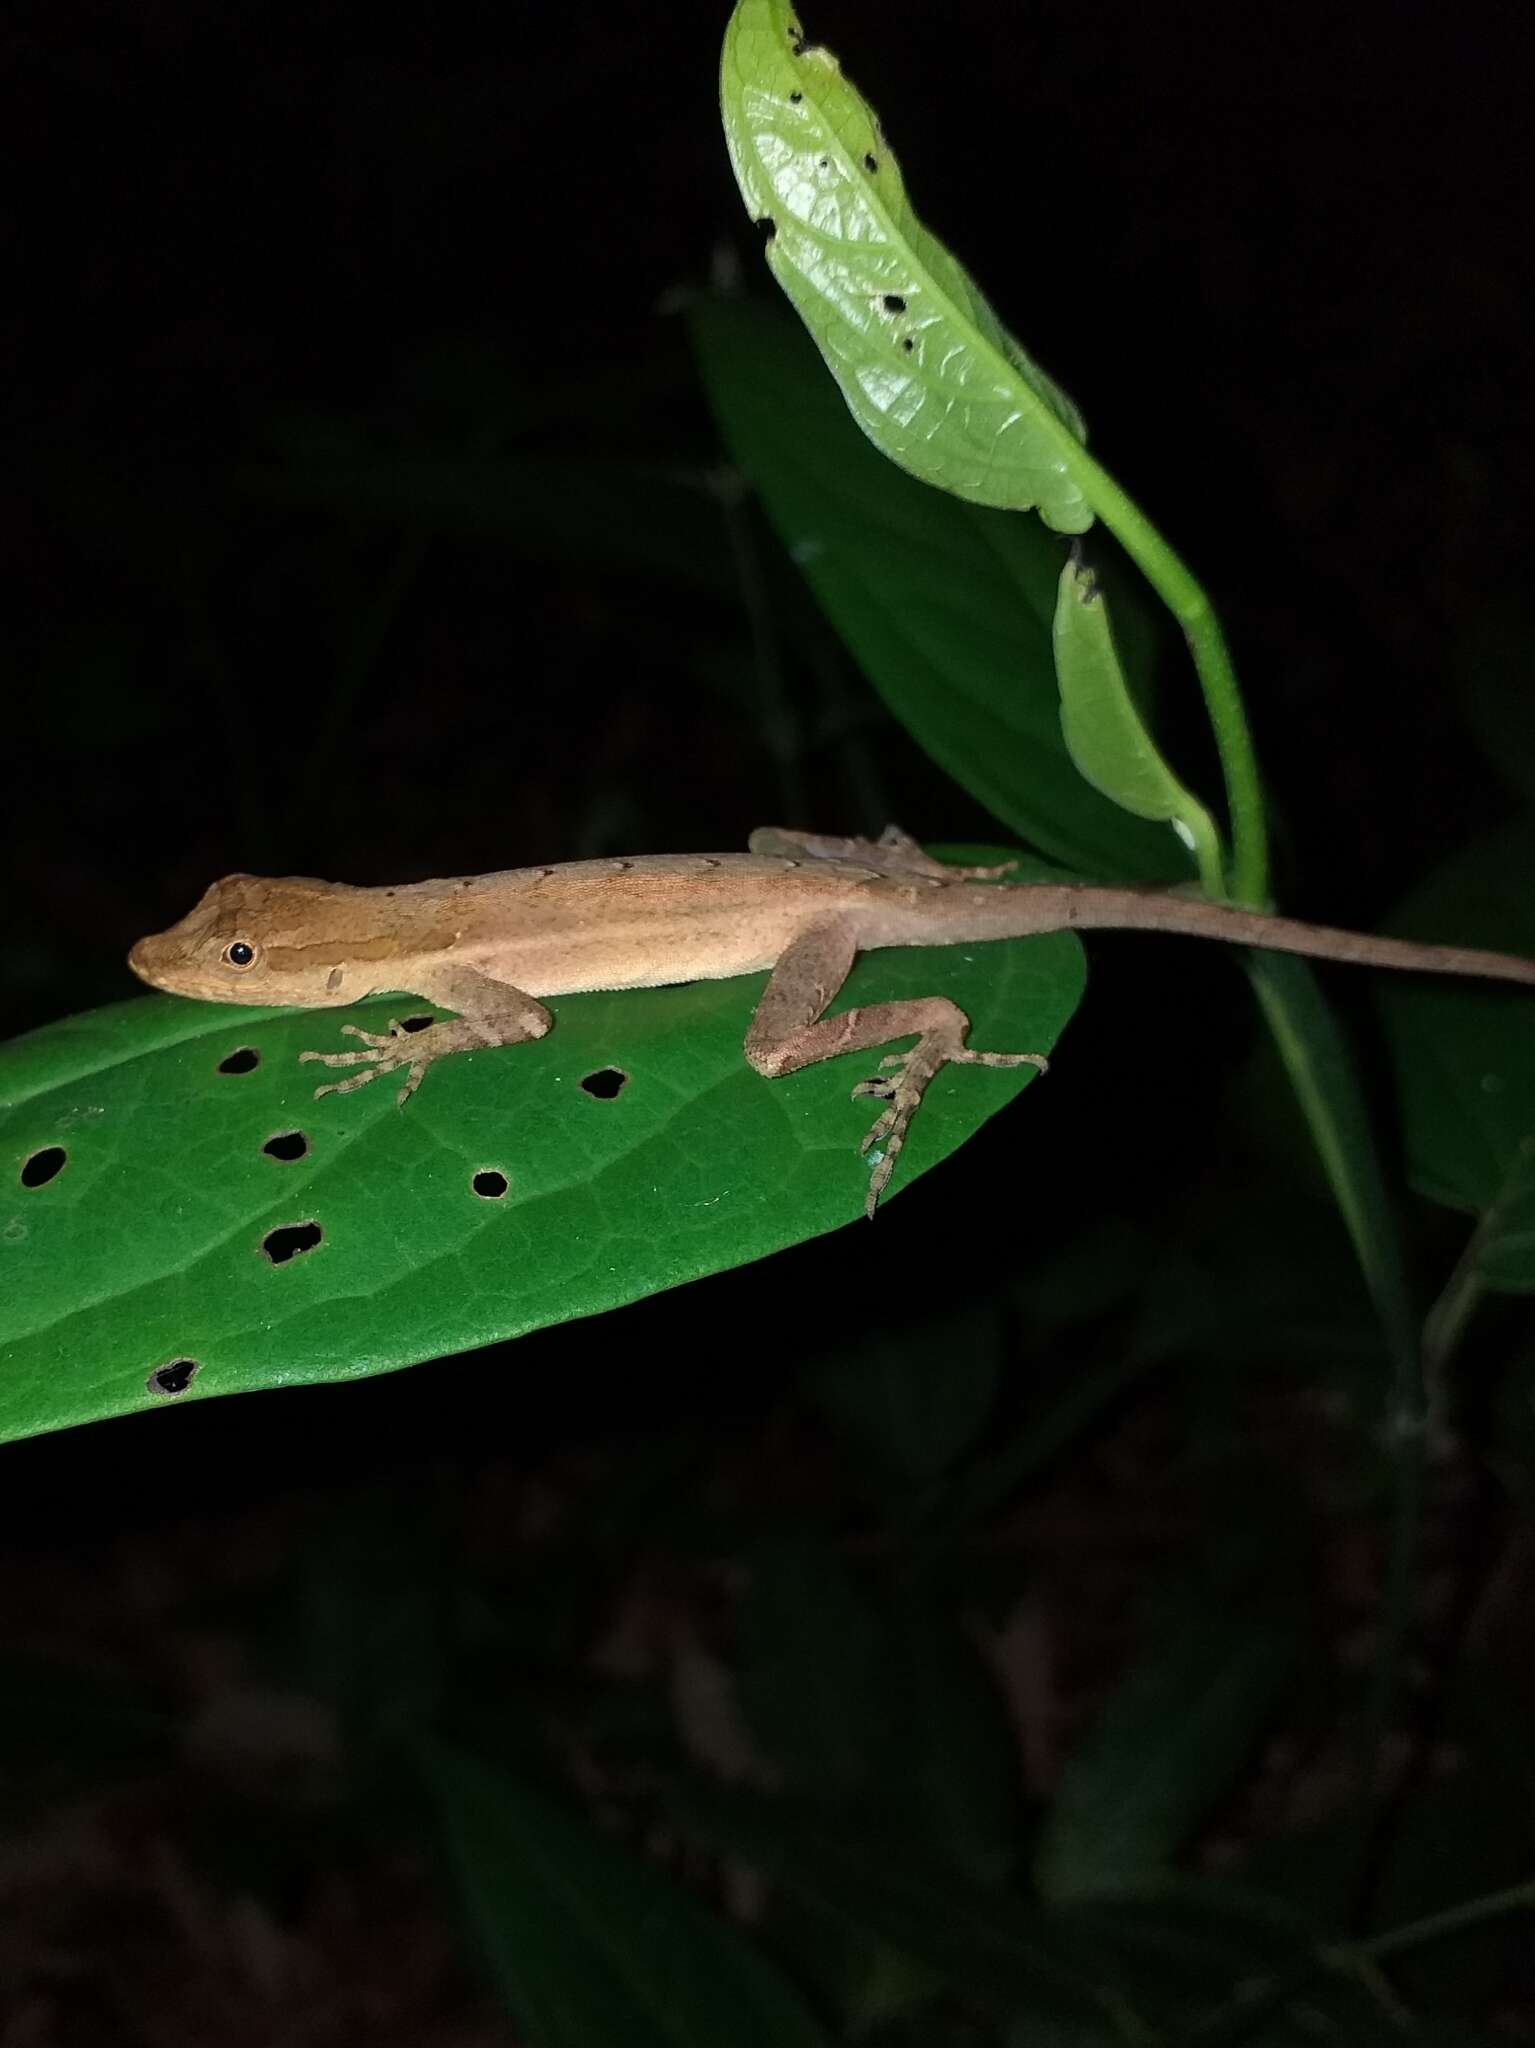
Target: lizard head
point(250, 940)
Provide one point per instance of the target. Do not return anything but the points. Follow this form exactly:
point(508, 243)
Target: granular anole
point(488, 946)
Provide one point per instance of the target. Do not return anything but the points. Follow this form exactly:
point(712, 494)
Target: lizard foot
point(903, 1088)
point(384, 1052)
point(909, 854)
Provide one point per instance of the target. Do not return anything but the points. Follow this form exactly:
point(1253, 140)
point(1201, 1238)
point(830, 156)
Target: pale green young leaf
point(1105, 734)
point(927, 369)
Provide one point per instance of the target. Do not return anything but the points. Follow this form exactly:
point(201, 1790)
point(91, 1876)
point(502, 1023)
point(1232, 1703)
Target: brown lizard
point(489, 946)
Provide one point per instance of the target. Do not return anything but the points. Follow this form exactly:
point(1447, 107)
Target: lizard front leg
point(490, 1013)
point(790, 1030)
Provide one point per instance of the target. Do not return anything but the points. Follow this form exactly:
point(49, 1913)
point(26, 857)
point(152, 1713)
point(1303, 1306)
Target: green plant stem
point(1445, 1323)
point(1470, 1913)
point(1360, 1960)
point(1185, 598)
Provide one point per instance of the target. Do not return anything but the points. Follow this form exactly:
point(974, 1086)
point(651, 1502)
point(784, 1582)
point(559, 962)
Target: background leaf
point(1465, 1056)
point(1164, 1748)
point(945, 606)
point(590, 1946)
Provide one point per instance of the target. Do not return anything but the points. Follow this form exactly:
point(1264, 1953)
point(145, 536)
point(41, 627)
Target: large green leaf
point(1465, 1056)
point(136, 1239)
point(945, 606)
point(926, 367)
point(592, 1948)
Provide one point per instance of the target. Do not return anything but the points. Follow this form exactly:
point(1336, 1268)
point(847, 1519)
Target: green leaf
point(590, 1947)
point(946, 607)
point(1105, 734)
point(926, 367)
point(1465, 1056)
point(135, 1238)
point(1163, 1750)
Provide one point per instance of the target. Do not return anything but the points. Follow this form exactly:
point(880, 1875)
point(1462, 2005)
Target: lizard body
point(488, 947)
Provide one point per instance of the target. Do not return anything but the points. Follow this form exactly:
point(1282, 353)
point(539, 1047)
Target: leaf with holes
point(927, 369)
point(183, 1219)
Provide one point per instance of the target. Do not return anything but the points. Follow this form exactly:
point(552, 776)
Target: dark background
point(254, 255)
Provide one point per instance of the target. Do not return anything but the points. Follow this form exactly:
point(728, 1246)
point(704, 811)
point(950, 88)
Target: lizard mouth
point(141, 959)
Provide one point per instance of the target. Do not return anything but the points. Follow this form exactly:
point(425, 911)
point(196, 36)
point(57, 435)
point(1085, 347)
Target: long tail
point(1085, 907)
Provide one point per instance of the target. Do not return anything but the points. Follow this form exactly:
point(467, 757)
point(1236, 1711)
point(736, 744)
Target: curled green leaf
point(927, 369)
point(1105, 734)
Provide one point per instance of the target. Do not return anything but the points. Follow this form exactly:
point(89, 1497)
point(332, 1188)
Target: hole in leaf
point(795, 98)
point(767, 227)
point(171, 1379)
point(289, 1239)
point(242, 1061)
point(44, 1164)
point(908, 344)
point(286, 1145)
point(870, 161)
point(825, 163)
point(605, 1083)
point(416, 1023)
point(893, 303)
point(490, 1183)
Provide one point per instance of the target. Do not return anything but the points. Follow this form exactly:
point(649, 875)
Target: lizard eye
point(238, 954)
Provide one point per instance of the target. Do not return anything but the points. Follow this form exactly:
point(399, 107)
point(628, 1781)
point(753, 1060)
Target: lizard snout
point(141, 958)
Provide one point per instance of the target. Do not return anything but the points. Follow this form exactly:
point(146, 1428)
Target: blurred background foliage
point(956, 1631)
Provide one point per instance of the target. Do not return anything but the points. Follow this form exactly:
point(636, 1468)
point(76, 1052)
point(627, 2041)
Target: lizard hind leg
point(791, 1030)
